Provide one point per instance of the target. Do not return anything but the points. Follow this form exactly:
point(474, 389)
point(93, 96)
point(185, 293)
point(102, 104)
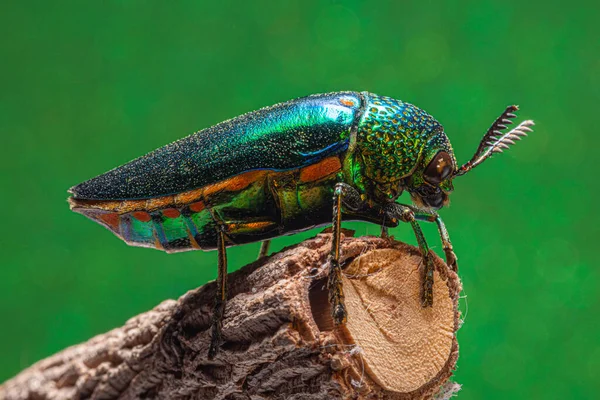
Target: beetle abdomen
point(249, 207)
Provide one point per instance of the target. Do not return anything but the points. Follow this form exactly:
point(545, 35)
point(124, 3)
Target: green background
point(87, 86)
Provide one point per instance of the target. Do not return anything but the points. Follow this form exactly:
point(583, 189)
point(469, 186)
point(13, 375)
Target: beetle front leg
point(406, 214)
point(427, 291)
point(348, 196)
point(451, 259)
point(220, 297)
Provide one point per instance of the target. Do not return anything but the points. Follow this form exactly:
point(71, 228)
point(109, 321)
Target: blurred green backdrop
point(87, 86)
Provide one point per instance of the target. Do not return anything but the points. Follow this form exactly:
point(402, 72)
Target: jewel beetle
point(293, 166)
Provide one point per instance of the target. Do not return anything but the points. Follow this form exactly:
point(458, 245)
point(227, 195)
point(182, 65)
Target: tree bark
point(279, 339)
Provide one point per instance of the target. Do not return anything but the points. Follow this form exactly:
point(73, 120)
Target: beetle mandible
point(288, 168)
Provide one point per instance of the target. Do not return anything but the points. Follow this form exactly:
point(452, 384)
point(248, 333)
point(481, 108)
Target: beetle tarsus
point(339, 314)
point(427, 291)
point(384, 232)
point(451, 259)
point(428, 267)
point(407, 214)
point(215, 338)
point(220, 297)
point(336, 294)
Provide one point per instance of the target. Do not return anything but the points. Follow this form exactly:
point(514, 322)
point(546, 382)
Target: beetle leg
point(384, 231)
point(349, 197)
point(264, 249)
point(427, 291)
point(446, 243)
point(451, 259)
point(406, 214)
point(220, 297)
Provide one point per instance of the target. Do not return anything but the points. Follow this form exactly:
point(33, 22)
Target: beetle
point(282, 169)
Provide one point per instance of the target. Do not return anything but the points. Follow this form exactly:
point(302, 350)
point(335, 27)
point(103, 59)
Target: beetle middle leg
point(406, 214)
point(220, 297)
point(346, 195)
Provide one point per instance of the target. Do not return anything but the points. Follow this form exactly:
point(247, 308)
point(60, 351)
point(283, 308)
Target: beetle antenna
point(494, 141)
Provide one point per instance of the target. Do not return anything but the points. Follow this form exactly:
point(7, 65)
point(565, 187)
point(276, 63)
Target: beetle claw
point(339, 314)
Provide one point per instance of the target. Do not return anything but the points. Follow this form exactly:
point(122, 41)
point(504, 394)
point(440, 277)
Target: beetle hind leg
point(348, 196)
point(220, 297)
point(264, 249)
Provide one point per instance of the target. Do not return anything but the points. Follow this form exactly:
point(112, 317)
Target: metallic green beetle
point(287, 168)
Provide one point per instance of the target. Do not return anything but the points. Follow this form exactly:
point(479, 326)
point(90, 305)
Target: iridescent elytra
point(282, 169)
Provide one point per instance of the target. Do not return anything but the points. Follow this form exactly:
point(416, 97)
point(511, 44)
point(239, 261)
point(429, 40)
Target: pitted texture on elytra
point(391, 137)
point(285, 136)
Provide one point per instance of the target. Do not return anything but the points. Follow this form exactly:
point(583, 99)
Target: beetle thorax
point(391, 137)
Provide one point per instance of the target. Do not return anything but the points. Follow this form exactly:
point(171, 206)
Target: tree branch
point(279, 340)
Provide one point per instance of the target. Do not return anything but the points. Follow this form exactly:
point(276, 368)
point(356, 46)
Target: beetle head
point(404, 148)
point(431, 182)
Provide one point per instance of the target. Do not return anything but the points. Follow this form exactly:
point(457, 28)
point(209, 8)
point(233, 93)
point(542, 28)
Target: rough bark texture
point(279, 341)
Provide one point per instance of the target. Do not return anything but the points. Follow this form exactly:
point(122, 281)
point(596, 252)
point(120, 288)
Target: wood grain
point(279, 340)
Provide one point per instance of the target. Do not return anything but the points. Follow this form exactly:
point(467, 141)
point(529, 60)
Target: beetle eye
point(439, 168)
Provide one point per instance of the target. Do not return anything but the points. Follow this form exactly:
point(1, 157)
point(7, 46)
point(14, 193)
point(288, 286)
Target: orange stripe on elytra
point(158, 203)
point(235, 183)
point(188, 197)
point(95, 204)
point(131, 205)
point(191, 197)
point(124, 206)
point(320, 170)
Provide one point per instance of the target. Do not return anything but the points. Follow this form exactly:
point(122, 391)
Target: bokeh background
point(86, 86)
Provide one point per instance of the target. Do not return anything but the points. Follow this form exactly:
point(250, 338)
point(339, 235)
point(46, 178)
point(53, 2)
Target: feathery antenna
point(494, 141)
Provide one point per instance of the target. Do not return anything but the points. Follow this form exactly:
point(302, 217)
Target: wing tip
point(88, 190)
